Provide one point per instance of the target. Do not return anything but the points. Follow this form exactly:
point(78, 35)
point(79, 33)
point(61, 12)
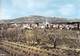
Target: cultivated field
point(40, 42)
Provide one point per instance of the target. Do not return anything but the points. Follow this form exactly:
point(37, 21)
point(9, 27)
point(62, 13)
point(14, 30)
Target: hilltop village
point(44, 25)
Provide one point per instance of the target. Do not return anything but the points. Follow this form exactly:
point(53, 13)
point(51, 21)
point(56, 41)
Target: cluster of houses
point(47, 25)
point(61, 25)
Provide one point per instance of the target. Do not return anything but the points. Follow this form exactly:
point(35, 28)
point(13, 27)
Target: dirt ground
point(3, 53)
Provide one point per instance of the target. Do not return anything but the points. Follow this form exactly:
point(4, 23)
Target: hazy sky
point(18, 8)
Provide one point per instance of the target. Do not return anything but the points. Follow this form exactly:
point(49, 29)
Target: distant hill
point(32, 19)
point(39, 19)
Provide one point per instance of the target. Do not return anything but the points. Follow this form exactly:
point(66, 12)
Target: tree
point(53, 39)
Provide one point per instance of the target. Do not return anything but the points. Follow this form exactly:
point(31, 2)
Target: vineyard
point(40, 42)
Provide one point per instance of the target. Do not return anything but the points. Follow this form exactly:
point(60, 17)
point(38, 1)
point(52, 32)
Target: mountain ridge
point(36, 18)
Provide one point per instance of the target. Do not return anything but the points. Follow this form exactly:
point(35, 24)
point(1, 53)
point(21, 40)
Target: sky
point(11, 9)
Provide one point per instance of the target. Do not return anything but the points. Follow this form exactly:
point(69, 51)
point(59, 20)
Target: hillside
point(39, 19)
point(33, 19)
point(36, 18)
